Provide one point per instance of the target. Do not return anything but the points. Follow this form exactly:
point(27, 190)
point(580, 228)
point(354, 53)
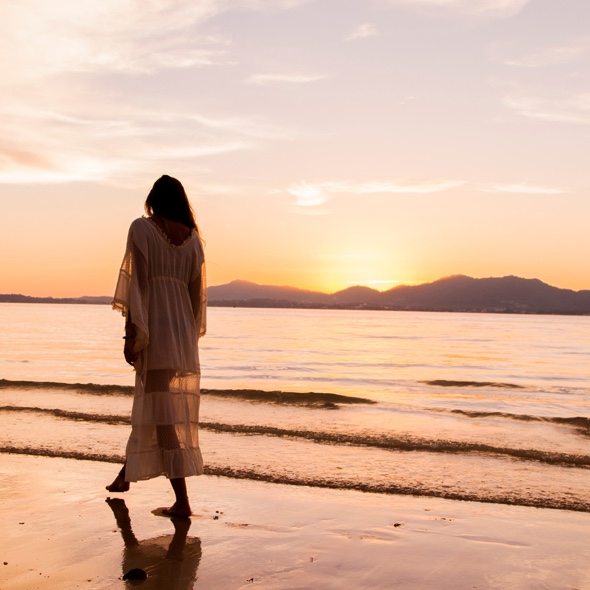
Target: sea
point(473, 407)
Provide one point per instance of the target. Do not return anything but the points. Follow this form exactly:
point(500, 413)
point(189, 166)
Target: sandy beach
point(60, 531)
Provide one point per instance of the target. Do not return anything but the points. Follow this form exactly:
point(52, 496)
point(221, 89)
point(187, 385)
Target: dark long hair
point(168, 199)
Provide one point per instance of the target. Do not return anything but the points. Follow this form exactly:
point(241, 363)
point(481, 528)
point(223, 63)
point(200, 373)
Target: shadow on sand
point(170, 561)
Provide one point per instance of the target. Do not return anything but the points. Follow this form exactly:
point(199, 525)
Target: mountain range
point(457, 293)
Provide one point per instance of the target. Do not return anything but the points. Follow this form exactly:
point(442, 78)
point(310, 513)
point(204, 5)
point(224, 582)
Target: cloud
point(12, 157)
point(574, 109)
point(284, 78)
point(548, 56)
point(269, 5)
point(92, 145)
point(526, 189)
point(110, 35)
point(313, 194)
point(308, 195)
point(40, 38)
point(400, 186)
point(363, 32)
point(482, 8)
point(249, 126)
point(80, 96)
point(19, 166)
point(213, 149)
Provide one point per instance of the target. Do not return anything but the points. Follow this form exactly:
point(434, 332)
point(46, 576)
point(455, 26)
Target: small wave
point(408, 444)
point(69, 415)
point(389, 443)
point(93, 388)
point(456, 383)
point(559, 503)
point(311, 398)
point(79, 455)
point(581, 423)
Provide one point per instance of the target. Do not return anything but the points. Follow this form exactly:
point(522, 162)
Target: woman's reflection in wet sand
point(170, 561)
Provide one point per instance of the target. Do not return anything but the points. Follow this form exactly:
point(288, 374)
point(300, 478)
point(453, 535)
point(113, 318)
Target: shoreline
point(60, 533)
point(294, 305)
point(292, 481)
point(312, 307)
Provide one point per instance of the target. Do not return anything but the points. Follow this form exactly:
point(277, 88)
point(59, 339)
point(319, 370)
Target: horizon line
point(315, 290)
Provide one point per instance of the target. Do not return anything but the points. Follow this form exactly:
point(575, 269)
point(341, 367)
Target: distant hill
point(247, 291)
point(457, 293)
point(14, 298)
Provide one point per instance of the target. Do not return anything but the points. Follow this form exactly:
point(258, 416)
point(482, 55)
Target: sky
point(322, 143)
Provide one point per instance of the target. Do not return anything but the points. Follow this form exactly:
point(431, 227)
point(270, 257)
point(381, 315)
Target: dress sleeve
point(198, 290)
point(132, 291)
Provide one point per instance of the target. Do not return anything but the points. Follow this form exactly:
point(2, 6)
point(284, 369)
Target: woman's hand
point(130, 354)
point(128, 350)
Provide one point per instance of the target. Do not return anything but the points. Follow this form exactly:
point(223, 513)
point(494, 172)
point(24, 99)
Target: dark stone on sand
point(135, 574)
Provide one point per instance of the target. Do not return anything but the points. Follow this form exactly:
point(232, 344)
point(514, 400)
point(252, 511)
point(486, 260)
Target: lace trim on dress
point(165, 235)
point(119, 306)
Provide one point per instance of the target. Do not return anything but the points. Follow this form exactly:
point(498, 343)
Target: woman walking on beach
point(161, 293)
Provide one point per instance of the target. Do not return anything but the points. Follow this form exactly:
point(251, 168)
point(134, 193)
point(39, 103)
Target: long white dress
point(162, 287)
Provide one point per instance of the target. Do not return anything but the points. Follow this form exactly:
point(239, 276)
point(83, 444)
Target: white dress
point(162, 287)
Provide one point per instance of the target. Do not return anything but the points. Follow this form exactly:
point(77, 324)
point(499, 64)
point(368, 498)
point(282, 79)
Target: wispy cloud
point(363, 32)
point(111, 35)
point(12, 157)
point(482, 8)
point(284, 78)
point(308, 195)
point(248, 126)
point(200, 151)
point(543, 57)
point(21, 167)
point(524, 188)
point(574, 109)
point(97, 146)
point(398, 186)
point(314, 194)
point(69, 36)
point(269, 5)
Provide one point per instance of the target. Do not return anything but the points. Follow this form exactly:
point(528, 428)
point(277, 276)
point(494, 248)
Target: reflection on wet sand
point(170, 561)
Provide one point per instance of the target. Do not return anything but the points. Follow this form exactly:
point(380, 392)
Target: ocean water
point(486, 407)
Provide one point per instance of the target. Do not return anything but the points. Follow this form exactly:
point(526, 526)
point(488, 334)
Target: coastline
point(281, 304)
point(60, 533)
point(452, 294)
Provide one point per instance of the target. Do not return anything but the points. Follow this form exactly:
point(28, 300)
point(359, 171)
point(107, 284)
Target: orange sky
point(323, 144)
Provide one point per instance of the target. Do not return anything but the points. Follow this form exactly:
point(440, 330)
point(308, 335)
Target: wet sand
point(60, 532)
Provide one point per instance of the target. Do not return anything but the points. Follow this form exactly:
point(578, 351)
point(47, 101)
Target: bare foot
point(119, 485)
point(178, 510)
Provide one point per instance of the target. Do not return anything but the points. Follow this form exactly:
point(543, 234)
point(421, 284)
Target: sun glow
point(360, 268)
point(378, 284)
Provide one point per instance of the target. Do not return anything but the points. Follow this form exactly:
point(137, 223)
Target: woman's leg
point(181, 507)
point(158, 380)
point(119, 485)
point(168, 440)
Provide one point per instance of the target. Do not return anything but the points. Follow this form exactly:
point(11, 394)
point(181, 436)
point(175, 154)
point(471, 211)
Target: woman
point(161, 293)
